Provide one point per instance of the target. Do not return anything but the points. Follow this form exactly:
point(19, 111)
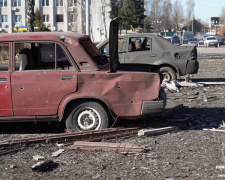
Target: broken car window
point(121, 46)
point(139, 44)
point(4, 57)
point(41, 56)
point(96, 55)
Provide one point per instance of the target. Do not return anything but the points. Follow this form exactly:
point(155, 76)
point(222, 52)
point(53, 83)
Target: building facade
point(58, 15)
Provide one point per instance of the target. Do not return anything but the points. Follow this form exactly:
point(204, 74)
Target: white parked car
point(211, 41)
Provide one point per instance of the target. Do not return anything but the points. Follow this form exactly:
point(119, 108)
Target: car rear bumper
point(192, 67)
point(156, 106)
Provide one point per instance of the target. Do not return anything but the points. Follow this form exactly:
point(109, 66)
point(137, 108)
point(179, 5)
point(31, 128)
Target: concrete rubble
point(57, 153)
point(37, 157)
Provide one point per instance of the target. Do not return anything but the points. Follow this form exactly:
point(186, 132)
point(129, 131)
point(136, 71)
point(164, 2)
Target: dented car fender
point(122, 92)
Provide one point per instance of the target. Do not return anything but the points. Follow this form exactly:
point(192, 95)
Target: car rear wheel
point(86, 116)
point(168, 74)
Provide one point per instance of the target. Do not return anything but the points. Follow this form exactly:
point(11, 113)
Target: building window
point(45, 2)
point(18, 18)
point(45, 18)
point(4, 18)
point(3, 3)
point(59, 18)
point(16, 3)
point(59, 2)
point(72, 3)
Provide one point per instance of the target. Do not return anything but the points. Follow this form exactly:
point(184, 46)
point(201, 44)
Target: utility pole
point(88, 17)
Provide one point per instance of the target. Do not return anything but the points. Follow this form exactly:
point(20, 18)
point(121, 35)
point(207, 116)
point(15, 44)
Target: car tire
point(86, 116)
point(168, 74)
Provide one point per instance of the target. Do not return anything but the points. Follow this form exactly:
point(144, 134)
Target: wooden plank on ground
point(121, 147)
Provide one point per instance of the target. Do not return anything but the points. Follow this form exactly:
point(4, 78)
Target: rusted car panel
point(123, 93)
point(5, 95)
point(63, 76)
point(40, 92)
point(157, 51)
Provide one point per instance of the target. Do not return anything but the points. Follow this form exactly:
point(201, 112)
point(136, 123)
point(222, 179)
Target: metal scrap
point(196, 84)
point(156, 131)
point(66, 138)
point(57, 153)
point(170, 86)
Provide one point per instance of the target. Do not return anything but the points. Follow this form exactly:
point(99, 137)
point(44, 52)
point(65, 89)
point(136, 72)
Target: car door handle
point(3, 79)
point(153, 55)
point(66, 78)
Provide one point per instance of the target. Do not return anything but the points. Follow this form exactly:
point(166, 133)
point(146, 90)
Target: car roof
point(139, 34)
point(40, 36)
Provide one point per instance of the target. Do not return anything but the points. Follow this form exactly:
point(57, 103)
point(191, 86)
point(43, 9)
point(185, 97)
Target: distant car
point(211, 41)
point(222, 41)
point(169, 38)
point(204, 36)
point(187, 35)
point(174, 61)
point(193, 41)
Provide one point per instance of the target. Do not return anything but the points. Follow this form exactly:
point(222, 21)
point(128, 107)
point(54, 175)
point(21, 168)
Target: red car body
point(48, 88)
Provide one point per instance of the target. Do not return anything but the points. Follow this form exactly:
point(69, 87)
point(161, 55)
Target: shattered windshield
point(96, 55)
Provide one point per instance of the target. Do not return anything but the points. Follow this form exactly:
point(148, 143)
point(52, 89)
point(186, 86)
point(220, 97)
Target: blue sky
point(204, 9)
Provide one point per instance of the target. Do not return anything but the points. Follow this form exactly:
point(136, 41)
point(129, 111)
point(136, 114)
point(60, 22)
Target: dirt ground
point(187, 153)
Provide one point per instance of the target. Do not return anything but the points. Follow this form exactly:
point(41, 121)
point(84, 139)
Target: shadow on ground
point(185, 119)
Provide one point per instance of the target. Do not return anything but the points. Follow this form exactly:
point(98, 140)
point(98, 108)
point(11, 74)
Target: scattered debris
point(121, 147)
point(170, 86)
point(12, 166)
point(156, 131)
point(213, 129)
point(66, 138)
point(187, 84)
point(42, 165)
point(57, 153)
point(196, 84)
point(59, 145)
point(38, 158)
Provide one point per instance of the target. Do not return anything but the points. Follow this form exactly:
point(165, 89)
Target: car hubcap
point(166, 76)
point(89, 120)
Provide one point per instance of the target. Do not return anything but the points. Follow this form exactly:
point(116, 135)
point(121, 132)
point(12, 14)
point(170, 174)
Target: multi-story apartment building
point(58, 15)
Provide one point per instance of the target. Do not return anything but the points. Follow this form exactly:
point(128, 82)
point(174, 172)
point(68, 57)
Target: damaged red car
point(64, 77)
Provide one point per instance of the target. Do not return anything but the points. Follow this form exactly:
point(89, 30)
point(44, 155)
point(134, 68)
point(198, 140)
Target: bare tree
point(156, 14)
point(147, 4)
point(30, 15)
point(177, 14)
point(166, 18)
point(190, 12)
point(222, 16)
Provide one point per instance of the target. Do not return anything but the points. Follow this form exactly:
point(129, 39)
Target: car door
point(5, 88)
point(43, 76)
point(141, 50)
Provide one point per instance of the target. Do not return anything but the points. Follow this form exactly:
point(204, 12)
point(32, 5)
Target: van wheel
point(86, 116)
point(168, 74)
